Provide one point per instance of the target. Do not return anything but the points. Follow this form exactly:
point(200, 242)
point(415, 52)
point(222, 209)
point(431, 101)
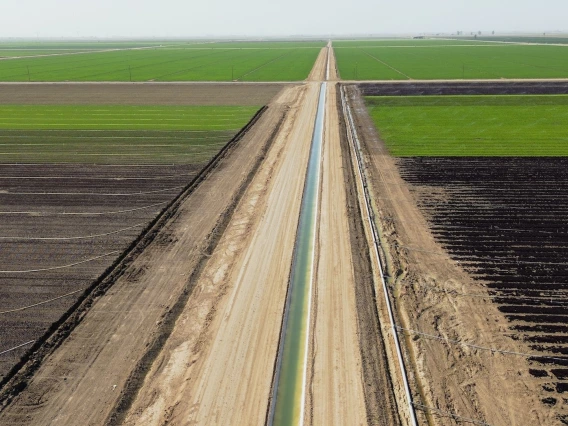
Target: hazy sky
point(201, 18)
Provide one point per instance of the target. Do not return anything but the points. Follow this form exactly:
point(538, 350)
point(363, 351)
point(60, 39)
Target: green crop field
point(397, 42)
point(117, 134)
point(472, 125)
point(123, 117)
point(437, 61)
point(171, 62)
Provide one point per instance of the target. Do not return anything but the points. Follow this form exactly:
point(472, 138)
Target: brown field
point(139, 93)
point(49, 231)
point(503, 220)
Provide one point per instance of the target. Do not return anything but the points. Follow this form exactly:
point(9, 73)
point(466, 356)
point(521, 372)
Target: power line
point(23, 308)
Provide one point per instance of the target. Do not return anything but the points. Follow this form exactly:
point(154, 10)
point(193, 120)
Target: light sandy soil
point(139, 93)
point(217, 366)
point(84, 377)
point(333, 73)
point(475, 384)
point(335, 387)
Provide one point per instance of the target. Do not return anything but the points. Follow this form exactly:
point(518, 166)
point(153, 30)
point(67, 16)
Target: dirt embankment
point(139, 93)
point(450, 378)
point(86, 375)
point(380, 398)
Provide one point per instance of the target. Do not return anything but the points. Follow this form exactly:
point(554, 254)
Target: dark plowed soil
point(28, 235)
point(504, 220)
point(465, 88)
point(380, 400)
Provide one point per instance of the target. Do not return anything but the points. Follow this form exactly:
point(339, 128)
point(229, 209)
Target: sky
point(266, 18)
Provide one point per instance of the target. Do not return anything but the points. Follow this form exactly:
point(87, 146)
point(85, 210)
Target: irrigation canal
point(287, 407)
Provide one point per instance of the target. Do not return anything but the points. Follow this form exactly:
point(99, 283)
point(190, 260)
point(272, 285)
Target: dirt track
point(336, 384)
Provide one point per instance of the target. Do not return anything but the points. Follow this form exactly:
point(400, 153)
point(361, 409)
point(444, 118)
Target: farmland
point(207, 62)
point(442, 59)
point(140, 275)
point(472, 125)
point(397, 42)
point(79, 183)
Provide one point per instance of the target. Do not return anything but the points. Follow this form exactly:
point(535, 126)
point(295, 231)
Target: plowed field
point(504, 220)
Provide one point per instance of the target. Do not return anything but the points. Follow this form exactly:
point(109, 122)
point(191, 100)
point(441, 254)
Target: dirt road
point(320, 66)
point(84, 378)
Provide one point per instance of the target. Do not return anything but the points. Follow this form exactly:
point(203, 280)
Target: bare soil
point(46, 214)
point(451, 379)
point(139, 93)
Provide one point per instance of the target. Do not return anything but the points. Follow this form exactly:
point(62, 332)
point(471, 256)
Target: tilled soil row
point(237, 94)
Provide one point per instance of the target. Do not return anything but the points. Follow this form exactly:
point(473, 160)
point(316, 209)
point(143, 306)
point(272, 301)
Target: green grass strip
point(472, 125)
